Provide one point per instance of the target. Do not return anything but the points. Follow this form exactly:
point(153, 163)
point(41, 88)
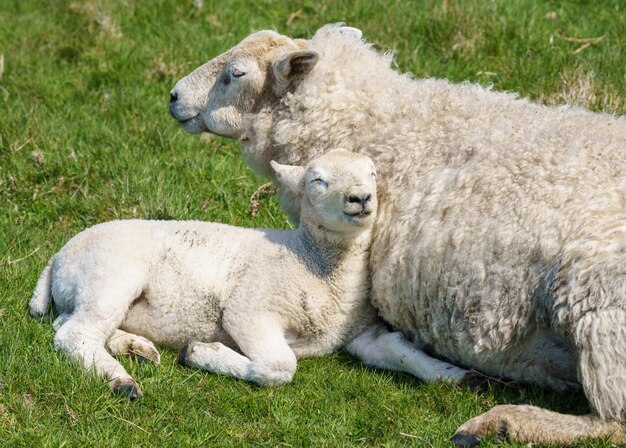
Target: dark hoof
point(184, 353)
point(465, 439)
point(131, 391)
point(474, 382)
point(501, 434)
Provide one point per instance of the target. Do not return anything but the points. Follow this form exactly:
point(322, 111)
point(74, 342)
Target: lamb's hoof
point(145, 353)
point(124, 344)
point(465, 439)
point(129, 390)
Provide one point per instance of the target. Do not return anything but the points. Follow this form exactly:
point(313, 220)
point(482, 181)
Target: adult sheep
point(501, 239)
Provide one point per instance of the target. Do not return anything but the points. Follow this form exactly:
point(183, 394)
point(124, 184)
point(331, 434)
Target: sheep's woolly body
point(485, 200)
point(501, 238)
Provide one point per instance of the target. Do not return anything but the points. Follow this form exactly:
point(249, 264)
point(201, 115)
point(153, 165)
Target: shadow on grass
point(498, 391)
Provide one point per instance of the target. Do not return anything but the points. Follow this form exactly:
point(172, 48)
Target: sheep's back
point(479, 191)
point(473, 221)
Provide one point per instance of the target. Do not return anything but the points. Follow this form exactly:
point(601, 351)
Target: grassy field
point(85, 137)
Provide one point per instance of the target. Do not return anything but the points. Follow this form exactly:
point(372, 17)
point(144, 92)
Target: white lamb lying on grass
point(240, 302)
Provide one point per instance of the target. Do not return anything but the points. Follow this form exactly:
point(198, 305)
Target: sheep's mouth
point(193, 125)
point(183, 121)
point(187, 120)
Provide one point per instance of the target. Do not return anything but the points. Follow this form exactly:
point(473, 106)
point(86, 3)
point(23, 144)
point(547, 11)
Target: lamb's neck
point(330, 252)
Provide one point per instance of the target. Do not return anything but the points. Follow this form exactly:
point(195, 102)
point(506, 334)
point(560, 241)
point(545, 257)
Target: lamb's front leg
point(379, 347)
point(268, 359)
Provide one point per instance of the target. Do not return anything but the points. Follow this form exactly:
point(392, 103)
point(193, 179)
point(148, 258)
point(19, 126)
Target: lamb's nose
point(362, 199)
point(173, 97)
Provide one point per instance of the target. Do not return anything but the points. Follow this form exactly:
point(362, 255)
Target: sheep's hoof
point(184, 354)
point(129, 390)
point(501, 434)
point(474, 381)
point(465, 439)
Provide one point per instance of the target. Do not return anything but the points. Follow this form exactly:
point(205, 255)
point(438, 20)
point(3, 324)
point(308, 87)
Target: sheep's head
point(246, 79)
point(338, 190)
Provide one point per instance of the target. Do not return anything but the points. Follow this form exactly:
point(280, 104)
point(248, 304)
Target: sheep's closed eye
point(235, 73)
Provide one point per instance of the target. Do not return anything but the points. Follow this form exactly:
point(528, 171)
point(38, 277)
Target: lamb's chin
point(360, 220)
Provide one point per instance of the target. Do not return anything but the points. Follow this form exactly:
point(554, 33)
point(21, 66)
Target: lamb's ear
point(293, 66)
point(290, 177)
point(353, 33)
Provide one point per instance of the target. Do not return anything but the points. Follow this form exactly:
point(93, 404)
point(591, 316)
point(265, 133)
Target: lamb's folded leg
point(123, 343)
point(379, 347)
point(268, 359)
point(83, 341)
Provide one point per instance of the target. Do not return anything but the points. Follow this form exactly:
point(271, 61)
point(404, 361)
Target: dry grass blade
point(10, 262)
point(585, 41)
point(132, 424)
point(263, 190)
point(294, 15)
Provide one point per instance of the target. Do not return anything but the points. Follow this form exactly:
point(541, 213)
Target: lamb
point(240, 302)
point(501, 239)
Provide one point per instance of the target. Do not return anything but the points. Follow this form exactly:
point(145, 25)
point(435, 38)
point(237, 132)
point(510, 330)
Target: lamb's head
point(248, 78)
point(338, 191)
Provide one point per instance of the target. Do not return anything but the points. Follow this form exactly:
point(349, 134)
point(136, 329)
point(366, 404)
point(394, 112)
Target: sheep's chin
point(194, 125)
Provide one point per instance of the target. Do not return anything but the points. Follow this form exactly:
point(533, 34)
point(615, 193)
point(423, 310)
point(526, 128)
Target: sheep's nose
point(359, 199)
point(173, 97)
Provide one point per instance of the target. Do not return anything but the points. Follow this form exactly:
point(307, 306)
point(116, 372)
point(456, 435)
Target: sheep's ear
point(353, 33)
point(293, 66)
point(290, 177)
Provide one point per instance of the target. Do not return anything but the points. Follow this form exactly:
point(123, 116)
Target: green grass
point(85, 137)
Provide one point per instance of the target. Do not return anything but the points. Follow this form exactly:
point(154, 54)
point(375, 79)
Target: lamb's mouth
point(363, 214)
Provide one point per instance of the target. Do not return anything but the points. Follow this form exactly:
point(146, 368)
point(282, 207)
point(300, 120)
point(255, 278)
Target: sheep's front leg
point(267, 360)
point(379, 347)
point(530, 424)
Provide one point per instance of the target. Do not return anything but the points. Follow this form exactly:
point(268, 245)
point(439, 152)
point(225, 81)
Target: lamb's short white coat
point(501, 238)
point(242, 302)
